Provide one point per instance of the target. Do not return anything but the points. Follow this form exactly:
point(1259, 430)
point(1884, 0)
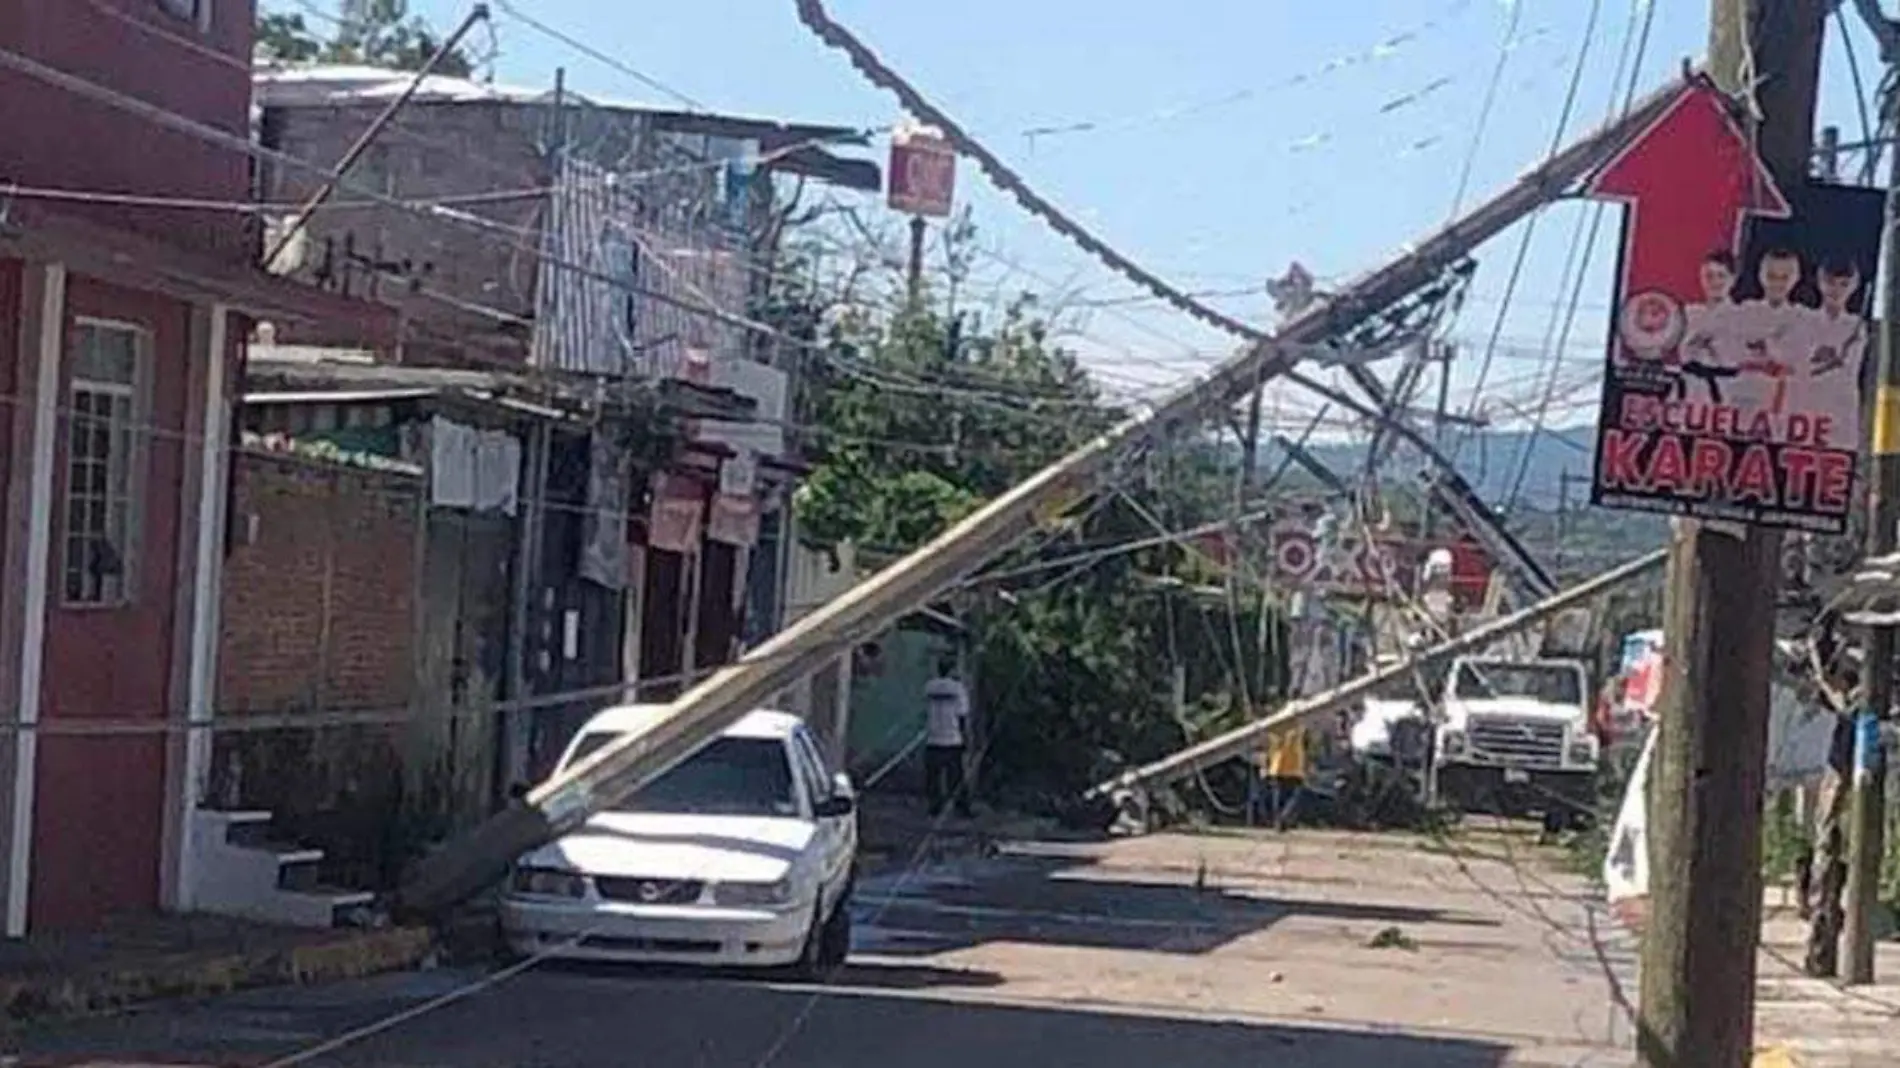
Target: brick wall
point(319, 589)
point(319, 615)
point(430, 150)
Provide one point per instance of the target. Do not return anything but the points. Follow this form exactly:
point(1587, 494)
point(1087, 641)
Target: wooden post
point(1705, 795)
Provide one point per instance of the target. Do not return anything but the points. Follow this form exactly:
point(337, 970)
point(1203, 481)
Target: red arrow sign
point(1691, 179)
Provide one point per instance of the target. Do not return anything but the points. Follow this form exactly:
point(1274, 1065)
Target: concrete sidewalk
point(155, 957)
point(1817, 1023)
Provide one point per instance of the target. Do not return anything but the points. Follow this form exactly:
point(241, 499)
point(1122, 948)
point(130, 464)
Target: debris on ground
point(1392, 938)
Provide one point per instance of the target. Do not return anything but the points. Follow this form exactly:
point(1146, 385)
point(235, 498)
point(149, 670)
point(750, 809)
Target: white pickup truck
point(1514, 739)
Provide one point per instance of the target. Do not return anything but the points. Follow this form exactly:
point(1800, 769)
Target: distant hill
point(1581, 537)
point(1490, 460)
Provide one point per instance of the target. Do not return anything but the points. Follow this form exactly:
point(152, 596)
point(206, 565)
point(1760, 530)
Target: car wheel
point(834, 938)
point(810, 964)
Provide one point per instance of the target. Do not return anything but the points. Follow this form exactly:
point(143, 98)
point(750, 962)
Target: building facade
point(123, 327)
point(593, 240)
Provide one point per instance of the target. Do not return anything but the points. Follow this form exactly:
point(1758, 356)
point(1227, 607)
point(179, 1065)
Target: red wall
point(10, 316)
point(99, 805)
point(54, 138)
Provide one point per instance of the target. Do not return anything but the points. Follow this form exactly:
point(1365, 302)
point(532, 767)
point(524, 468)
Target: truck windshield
point(1558, 684)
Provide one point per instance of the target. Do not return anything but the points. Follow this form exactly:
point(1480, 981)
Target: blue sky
point(1206, 165)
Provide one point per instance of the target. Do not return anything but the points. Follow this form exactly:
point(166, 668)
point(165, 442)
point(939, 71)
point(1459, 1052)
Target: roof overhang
point(298, 378)
point(123, 257)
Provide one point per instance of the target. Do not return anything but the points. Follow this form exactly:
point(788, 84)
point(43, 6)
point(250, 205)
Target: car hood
point(663, 846)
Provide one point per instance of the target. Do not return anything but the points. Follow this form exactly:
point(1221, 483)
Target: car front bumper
point(677, 934)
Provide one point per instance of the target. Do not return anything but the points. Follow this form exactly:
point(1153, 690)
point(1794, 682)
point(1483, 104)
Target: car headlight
point(1583, 749)
point(549, 882)
point(1452, 743)
point(754, 895)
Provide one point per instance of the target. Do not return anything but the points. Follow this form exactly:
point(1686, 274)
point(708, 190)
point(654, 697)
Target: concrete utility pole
point(1705, 798)
point(619, 769)
point(1866, 828)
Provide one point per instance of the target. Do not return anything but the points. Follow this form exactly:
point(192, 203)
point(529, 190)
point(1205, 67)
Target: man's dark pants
point(943, 778)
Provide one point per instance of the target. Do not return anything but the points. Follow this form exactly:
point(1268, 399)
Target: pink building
point(122, 326)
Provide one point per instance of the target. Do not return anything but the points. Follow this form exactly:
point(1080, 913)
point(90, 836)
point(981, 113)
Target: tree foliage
point(377, 33)
point(920, 414)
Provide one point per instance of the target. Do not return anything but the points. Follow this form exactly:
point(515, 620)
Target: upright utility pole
point(1866, 828)
point(1705, 800)
point(914, 271)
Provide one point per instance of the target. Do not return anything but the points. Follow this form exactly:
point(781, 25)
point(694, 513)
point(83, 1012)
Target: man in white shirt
point(946, 721)
point(1832, 378)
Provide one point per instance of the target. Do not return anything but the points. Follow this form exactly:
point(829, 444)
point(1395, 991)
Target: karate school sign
point(1734, 373)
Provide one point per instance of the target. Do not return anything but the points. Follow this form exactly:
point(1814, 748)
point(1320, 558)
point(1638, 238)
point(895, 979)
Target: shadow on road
point(870, 975)
point(583, 1020)
point(1053, 900)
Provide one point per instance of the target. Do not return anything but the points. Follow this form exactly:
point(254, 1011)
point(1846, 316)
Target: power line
point(596, 54)
point(1505, 47)
point(812, 14)
point(1381, 50)
point(1556, 142)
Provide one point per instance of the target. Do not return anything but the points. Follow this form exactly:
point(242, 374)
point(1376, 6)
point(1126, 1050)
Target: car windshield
point(1550, 683)
point(730, 777)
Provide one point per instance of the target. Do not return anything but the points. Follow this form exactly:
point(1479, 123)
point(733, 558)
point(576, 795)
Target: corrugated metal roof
point(343, 84)
point(1872, 595)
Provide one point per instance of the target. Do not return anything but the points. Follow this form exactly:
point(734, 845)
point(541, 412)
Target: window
point(1550, 683)
point(102, 464)
point(812, 767)
point(192, 11)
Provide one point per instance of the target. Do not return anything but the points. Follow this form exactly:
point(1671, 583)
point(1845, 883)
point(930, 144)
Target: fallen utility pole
point(1453, 492)
point(1697, 1005)
point(1243, 740)
point(617, 770)
point(1866, 826)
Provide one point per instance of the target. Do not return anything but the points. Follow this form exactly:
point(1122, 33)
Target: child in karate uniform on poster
point(1711, 340)
point(1831, 380)
point(1774, 332)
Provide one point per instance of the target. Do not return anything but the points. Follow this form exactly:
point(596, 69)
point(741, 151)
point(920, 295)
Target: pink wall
point(99, 803)
point(57, 139)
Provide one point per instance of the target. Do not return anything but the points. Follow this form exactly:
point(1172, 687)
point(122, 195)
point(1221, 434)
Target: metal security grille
point(649, 891)
point(1516, 740)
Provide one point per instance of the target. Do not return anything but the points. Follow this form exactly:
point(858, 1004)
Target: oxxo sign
point(923, 172)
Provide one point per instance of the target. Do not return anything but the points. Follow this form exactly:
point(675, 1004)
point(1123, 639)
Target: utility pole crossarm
point(618, 769)
point(1242, 740)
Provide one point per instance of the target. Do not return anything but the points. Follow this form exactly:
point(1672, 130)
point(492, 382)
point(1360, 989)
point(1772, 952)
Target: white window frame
point(199, 16)
point(129, 433)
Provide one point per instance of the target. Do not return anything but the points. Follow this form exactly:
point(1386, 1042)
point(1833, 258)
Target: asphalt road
point(1303, 950)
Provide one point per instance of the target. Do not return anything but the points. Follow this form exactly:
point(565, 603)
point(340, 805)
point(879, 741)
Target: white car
point(743, 854)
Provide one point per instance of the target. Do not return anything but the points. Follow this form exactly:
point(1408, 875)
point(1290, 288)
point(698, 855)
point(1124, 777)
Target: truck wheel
point(1555, 823)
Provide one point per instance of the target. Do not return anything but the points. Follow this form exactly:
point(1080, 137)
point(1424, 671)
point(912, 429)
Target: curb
point(351, 956)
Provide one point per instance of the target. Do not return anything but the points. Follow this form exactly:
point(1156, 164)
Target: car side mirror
point(841, 785)
point(833, 807)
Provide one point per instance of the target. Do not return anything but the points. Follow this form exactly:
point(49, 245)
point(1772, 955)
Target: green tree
point(917, 417)
point(378, 33)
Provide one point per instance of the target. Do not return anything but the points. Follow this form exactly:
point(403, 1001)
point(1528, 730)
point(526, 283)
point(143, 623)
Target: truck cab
point(1514, 739)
